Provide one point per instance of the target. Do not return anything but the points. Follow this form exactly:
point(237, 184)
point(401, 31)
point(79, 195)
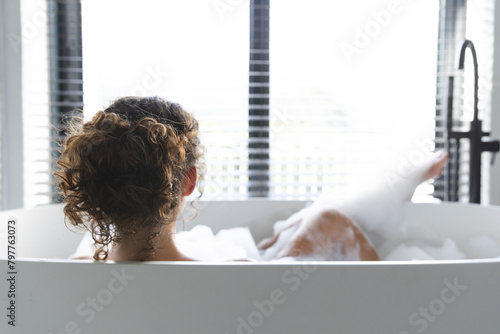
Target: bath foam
point(201, 244)
point(418, 250)
point(377, 209)
point(238, 243)
point(241, 237)
point(482, 246)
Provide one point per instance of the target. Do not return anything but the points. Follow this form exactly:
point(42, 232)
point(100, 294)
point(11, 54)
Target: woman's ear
point(190, 182)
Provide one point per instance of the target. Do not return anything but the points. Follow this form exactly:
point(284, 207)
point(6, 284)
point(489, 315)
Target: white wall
point(11, 104)
point(495, 111)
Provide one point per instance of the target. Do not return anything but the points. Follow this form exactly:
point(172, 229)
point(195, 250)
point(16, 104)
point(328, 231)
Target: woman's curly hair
point(123, 171)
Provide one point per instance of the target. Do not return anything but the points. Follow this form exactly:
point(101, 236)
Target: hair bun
point(124, 170)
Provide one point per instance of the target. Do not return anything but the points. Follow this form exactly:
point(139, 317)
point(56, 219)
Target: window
point(323, 89)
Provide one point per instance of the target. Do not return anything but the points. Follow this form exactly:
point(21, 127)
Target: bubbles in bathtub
point(448, 251)
point(481, 246)
point(377, 209)
point(240, 236)
point(201, 244)
point(404, 252)
point(436, 249)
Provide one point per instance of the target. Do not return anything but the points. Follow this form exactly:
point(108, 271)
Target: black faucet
point(475, 134)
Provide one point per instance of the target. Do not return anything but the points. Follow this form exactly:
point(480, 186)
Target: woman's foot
point(436, 168)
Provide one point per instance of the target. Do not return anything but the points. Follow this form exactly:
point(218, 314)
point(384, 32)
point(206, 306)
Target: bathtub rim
point(267, 263)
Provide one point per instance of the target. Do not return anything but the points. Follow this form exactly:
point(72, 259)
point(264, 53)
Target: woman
point(126, 173)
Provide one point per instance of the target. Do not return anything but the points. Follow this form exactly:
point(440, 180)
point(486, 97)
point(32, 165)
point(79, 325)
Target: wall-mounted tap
point(475, 134)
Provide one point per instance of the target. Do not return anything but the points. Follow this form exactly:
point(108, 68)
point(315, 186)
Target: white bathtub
point(64, 296)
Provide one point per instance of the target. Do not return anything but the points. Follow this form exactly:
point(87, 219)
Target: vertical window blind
point(451, 34)
point(66, 81)
point(258, 101)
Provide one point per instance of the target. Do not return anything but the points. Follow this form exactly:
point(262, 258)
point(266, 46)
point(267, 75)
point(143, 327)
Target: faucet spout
point(475, 134)
point(467, 44)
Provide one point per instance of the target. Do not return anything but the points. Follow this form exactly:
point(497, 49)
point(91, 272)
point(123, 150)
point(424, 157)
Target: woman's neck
point(132, 248)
